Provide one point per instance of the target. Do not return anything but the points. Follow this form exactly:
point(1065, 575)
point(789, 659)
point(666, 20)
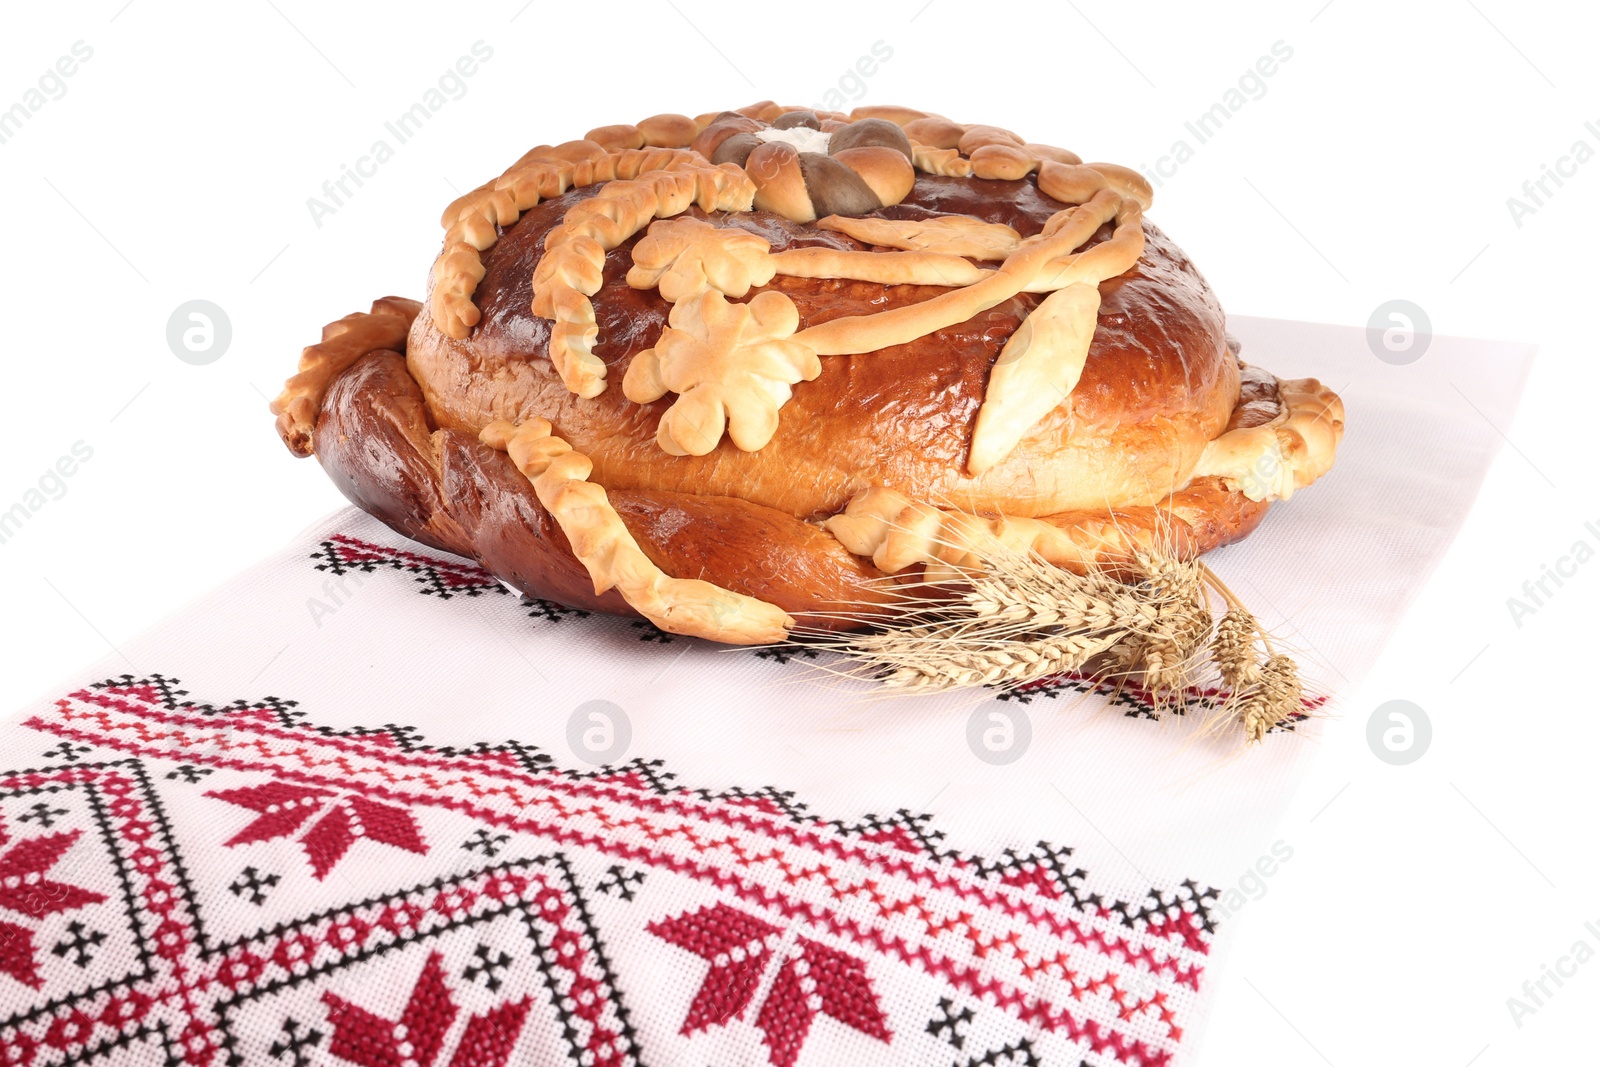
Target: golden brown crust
point(1271, 460)
point(746, 548)
point(386, 326)
point(680, 257)
point(668, 131)
point(878, 330)
point(780, 183)
point(886, 172)
point(575, 253)
point(381, 451)
point(509, 532)
point(473, 221)
point(1030, 363)
point(799, 166)
point(1157, 386)
point(712, 135)
point(447, 489)
point(616, 138)
point(945, 162)
point(891, 112)
point(935, 131)
point(1006, 162)
point(869, 168)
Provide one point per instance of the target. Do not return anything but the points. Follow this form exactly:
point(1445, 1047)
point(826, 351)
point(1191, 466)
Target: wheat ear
point(1016, 619)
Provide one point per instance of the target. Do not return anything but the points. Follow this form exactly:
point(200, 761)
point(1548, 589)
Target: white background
point(1377, 165)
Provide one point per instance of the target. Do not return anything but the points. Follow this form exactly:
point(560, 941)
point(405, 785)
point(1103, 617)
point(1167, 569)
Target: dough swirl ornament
point(938, 396)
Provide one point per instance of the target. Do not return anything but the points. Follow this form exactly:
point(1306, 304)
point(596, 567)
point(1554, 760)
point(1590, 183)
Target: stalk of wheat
point(1017, 620)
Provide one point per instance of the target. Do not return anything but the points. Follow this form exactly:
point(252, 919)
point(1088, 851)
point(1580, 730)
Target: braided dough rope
point(384, 327)
point(940, 146)
point(1271, 461)
point(575, 254)
point(603, 154)
point(473, 222)
point(624, 151)
point(602, 543)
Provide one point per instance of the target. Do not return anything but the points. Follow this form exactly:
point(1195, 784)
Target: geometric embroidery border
point(1020, 930)
point(180, 993)
point(598, 1033)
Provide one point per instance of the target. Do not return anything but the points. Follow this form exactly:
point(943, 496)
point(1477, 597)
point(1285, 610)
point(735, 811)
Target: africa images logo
point(51, 85)
point(451, 85)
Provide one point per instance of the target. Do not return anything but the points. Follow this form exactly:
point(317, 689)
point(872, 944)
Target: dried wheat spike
point(1006, 664)
point(1015, 619)
point(1233, 649)
point(1275, 697)
point(1183, 624)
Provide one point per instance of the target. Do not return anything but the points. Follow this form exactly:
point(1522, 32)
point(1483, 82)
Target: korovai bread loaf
point(731, 372)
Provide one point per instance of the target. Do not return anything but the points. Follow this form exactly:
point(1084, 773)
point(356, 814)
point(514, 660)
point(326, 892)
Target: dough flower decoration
point(731, 365)
point(680, 257)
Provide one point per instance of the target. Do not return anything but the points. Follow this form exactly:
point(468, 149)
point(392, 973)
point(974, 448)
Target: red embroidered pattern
point(417, 1037)
point(282, 809)
point(341, 554)
point(26, 888)
point(463, 932)
point(70, 1016)
point(808, 978)
point(422, 1029)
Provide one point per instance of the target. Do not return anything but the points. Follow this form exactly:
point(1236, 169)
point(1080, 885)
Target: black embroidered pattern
point(342, 555)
